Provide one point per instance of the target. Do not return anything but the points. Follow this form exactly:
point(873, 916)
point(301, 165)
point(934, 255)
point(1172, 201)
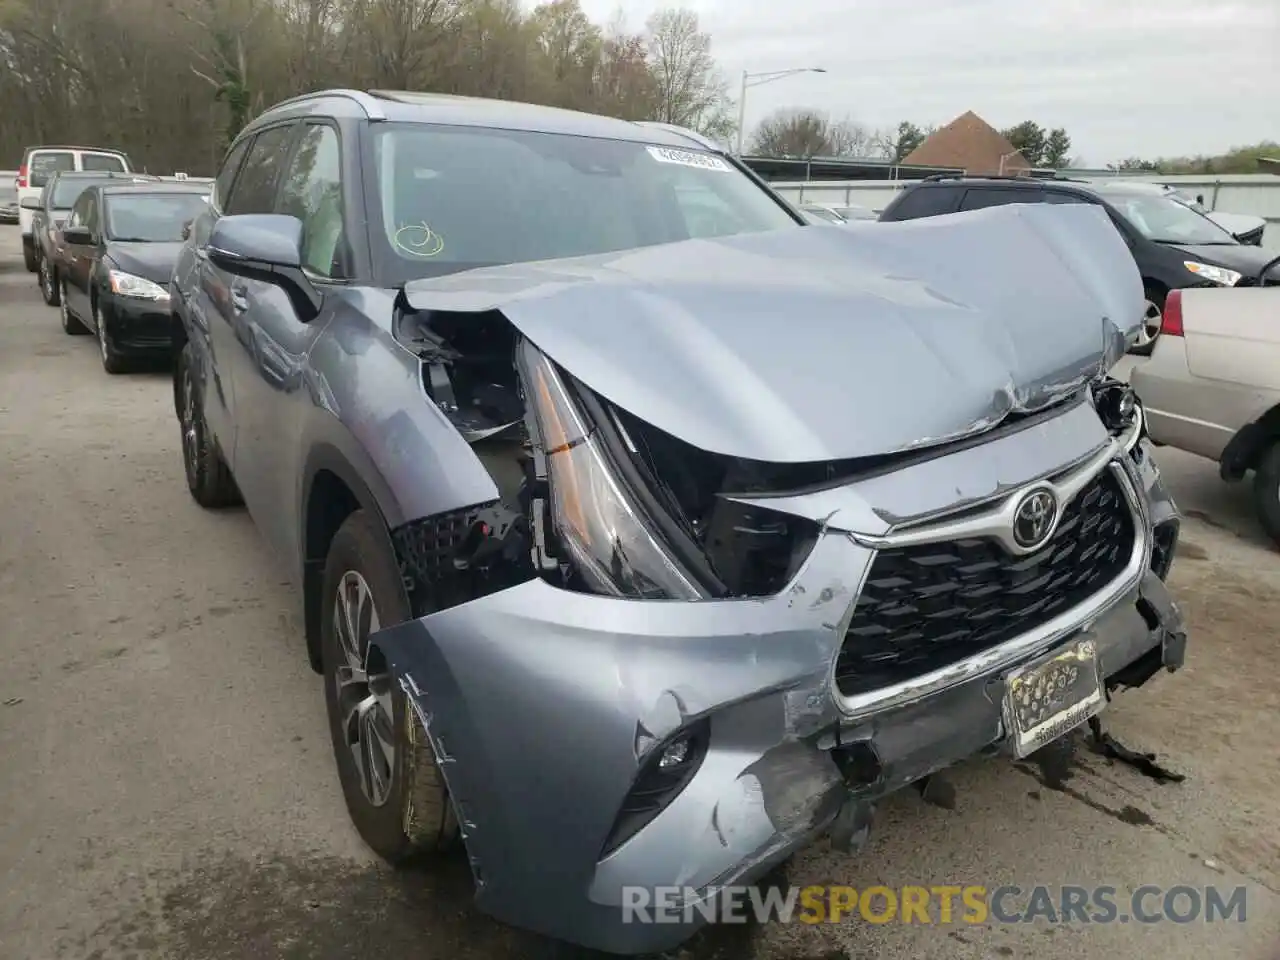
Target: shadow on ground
point(324, 908)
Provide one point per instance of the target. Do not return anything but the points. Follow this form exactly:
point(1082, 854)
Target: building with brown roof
point(969, 142)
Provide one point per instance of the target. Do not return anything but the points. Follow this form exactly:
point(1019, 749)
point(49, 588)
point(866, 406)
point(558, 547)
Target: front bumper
point(543, 705)
point(137, 326)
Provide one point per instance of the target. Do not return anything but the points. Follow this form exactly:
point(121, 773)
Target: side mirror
point(186, 230)
point(77, 236)
point(265, 246)
point(30, 203)
point(1251, 238)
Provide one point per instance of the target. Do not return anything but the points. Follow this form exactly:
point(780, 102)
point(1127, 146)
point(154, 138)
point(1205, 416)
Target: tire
point(1151, 321)
point(208, 477)
point(49, 283)
point(1266, 491)
point(71, 324)
point(29, 254)
point(404, 814)
point(113, 361)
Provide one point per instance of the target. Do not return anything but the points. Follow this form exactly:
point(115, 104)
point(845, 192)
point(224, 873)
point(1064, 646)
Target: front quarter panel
point(370, 409)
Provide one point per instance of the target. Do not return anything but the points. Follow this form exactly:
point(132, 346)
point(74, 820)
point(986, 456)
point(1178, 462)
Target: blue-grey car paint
point(542, 703)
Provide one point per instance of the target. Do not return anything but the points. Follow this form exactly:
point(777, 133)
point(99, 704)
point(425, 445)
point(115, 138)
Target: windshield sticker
point(688, 158)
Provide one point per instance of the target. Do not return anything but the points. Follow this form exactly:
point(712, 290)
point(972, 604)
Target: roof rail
point(372, 108)
point(691, 135)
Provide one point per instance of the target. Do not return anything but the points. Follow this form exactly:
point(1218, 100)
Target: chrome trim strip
point(996, 522)
point(1080, 617)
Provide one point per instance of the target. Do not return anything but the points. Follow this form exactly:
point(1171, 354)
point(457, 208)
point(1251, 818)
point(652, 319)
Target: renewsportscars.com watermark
point(941, 904)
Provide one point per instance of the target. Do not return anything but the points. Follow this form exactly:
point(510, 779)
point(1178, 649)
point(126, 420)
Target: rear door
point(235, 305)
point(37, 169)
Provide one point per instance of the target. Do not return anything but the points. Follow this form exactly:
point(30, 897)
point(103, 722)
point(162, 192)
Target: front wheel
point(1266, 491)
point(113, 361)
point(71, 324)
point(1152, 320)
point(29, 254)
point(392, 786)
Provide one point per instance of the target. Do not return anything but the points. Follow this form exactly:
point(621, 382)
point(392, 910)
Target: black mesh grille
point(928, 606)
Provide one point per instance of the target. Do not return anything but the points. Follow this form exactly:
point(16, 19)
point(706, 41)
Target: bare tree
point(896, 143)
point(691, 91)
point(799, 132)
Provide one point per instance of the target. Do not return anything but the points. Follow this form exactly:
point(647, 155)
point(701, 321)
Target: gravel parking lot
point(168, 790)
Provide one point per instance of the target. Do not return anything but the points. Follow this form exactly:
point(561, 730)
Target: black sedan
point(119, 245)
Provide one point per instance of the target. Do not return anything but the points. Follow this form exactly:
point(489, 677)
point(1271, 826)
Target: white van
point(39, 163)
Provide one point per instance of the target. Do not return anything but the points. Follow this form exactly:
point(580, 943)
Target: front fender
point(543, 704)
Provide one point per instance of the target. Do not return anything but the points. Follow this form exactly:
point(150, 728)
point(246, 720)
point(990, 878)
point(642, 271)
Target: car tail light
point(1171, 324)
point(22, 177)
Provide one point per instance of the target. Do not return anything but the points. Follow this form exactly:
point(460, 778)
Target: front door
point(78, 257)
point(272, 398)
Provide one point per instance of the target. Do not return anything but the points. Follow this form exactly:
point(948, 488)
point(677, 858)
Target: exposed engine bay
point(480, 372)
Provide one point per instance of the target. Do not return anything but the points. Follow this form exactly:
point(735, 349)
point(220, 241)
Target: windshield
point(67, 190)
point(454, 198)
point(821, 215)
point(1165, 220)
point(151, 218)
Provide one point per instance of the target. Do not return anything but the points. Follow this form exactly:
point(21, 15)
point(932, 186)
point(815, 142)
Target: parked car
point(1212, 386)
point(856, 213)
point(119, 246)
point(49, 212)
point(38, 166)
point(8, 197)
point(1174, 246)
point(605, 528)
point(816, 213)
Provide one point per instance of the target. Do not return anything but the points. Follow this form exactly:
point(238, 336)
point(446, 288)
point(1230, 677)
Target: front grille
point(928, 606)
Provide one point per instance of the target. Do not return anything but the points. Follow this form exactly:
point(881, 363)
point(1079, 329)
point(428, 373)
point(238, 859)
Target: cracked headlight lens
point(595, 521)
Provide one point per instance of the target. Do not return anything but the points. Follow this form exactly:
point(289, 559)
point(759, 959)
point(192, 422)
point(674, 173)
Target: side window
point(312, 192)
point(77, 216)
point(924, 202)
point(91, 207)
point(255, 188)
point(1052, 196)
point(101, 161)
point(222, 186)
point(998, 196)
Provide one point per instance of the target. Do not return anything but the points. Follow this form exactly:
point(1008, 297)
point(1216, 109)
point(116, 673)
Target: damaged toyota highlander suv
point(645, 533)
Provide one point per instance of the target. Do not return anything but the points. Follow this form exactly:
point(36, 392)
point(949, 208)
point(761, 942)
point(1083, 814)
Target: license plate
point(1046, 698)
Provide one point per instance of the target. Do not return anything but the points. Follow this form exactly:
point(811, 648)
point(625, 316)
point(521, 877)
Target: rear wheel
point(208, 476)
point(49, 283)
point(392, 786)
point(1266, 491)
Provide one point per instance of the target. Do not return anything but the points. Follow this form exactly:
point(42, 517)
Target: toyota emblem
point(1034, 519)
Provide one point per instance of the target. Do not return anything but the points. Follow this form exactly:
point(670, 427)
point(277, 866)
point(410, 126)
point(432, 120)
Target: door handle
point(239, 299)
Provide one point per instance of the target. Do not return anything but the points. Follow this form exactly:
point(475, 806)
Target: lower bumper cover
point(543, 704)
point(138, 326)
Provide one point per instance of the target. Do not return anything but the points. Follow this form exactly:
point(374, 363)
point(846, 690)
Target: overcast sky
point(1124, 77)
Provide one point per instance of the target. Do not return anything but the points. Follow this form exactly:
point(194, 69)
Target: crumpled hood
point(808, 344)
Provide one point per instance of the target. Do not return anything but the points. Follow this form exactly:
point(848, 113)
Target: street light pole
point(754, 80)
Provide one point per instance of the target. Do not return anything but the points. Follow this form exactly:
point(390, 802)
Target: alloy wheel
point(46, 279)
point(364, 699)
point(1152, 318)
point(190, 427)
point(62, 306)
point(101, 330)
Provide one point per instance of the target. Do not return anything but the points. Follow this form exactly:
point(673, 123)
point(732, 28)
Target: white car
point(38, 164)
point(1212, 385)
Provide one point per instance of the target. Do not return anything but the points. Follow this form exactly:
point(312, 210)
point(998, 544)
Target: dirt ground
point(167, 788)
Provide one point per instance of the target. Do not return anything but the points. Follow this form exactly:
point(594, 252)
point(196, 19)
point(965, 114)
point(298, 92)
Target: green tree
point(1029, 139)
point(1057, 149)
point(897, 144)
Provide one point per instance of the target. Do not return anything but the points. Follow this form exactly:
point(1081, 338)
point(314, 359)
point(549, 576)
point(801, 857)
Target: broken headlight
point(598, 525)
